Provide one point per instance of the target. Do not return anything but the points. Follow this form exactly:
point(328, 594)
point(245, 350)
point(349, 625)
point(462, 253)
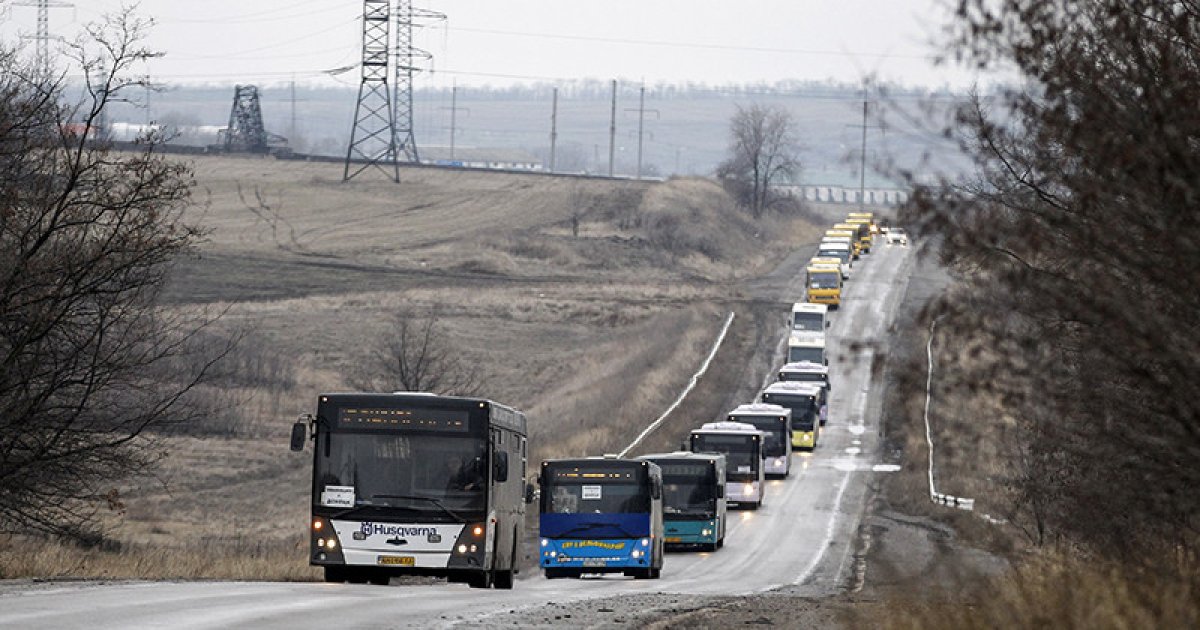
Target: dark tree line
point(1079, 243)
point(90, 366)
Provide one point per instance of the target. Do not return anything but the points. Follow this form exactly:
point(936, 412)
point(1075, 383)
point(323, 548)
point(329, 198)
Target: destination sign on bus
point(685, 470)
point(392, 419)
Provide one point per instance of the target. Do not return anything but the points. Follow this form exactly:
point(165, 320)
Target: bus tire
point(554, 574)
point(335, 574)
point(379, 578)
point(356, 576)
point(504, 579)
point(482, 579)
point(720, 542)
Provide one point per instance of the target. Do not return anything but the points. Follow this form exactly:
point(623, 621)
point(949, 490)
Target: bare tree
point(417, 356)
point(1079, 248)
point(89, 365)
point(763, 152)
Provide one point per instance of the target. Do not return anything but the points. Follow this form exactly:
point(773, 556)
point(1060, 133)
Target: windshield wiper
point(348, 511)
point(587, 526)
point(432, 500)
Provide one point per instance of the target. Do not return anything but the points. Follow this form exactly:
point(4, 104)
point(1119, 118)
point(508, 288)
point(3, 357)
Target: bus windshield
point(739, 451)
point(808, 322)
point(812, 355)
point(770, 425)
point(840, 254)
point(436, 475)
point(803, 408)
point(689, 489)
point(587, 496)
point(824, 279)
point(803, 377)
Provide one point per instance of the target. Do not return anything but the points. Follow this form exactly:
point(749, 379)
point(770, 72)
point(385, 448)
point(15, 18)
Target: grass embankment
point(588, 304)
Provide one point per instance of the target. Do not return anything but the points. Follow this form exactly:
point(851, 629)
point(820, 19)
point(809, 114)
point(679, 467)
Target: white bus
point(806, 347)
point(776, 424)
point(809, 319)
point(415, 484)
point(742, 446)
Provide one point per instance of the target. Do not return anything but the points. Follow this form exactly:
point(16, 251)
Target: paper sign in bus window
point(743, 469)
point(338, 496)
point(591, 492)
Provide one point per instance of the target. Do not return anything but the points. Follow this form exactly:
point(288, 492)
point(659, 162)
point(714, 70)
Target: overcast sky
point(500, 42)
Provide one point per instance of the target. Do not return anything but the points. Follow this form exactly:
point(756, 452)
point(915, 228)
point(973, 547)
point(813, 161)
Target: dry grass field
point(591, 326)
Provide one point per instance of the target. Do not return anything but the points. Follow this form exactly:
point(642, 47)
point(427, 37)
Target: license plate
point(592, 562)
point(673, 539)
point(404, 561)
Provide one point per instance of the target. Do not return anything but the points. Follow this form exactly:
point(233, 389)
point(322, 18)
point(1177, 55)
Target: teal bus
point(694, 508)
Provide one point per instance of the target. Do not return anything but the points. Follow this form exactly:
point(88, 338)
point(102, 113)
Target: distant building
point(842, 187)
point(480, 157)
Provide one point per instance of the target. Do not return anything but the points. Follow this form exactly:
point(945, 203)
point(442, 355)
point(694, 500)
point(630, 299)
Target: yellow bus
point(824, 284)
point(870, 216)
point(865, 234)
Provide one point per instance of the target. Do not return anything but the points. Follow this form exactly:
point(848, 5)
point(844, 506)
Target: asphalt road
point(801, 539)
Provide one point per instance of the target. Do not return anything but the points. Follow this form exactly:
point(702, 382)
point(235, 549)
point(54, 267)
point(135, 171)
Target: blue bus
point(693, 499)
point(601, 515)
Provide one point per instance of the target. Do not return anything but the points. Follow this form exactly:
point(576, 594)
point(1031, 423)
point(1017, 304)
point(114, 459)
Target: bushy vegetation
point(1079, 258)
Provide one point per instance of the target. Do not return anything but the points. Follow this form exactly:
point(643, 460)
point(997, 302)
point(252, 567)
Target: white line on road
point(686, 390)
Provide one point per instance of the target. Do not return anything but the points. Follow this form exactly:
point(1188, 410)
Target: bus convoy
point(420, 484)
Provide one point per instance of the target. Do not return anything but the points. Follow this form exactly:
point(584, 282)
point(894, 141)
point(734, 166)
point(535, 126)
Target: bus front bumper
point(595, 555)
point(690, 533)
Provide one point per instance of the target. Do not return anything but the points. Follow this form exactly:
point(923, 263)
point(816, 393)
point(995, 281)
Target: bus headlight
point(636, 553)
point(462, 549)
point(706, 532)
point(545, 542)
point(320, 542)
point(645, 542)
point(331, 543)
point(748, 489)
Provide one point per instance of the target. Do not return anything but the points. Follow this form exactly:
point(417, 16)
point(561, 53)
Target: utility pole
point(553, 128)
point(454, 116)
point(612, 130)
point(292, 126)
point(862, 158)
point(862, 167)
point(641, 110)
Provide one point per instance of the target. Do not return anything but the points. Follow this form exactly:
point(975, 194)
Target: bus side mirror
point(528, 493)
point(299, 432)
point(827, 323)
point(500, 475)
point(655, 491)
point(721, 491)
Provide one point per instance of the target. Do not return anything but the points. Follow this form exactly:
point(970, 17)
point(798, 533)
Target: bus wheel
point(335, 574)
point(380, 579)
point(554, 574)
point(720, 543)
point(482, 579)
point(354, 576)
point(504, 579)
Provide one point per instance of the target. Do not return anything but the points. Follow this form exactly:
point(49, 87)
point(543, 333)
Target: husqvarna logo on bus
point(368, 528)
